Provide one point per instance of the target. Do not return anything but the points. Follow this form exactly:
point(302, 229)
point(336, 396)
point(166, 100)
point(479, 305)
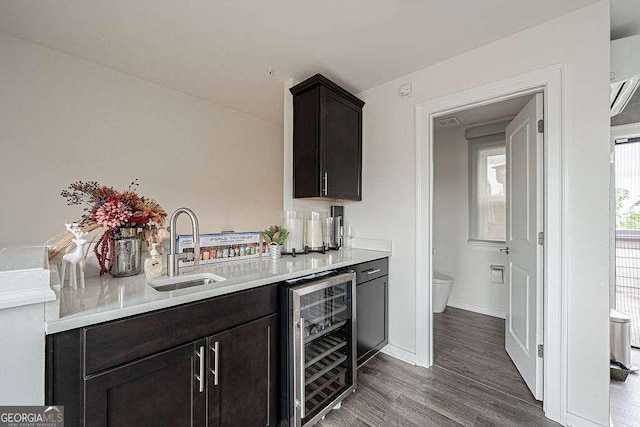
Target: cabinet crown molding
point(319, 79)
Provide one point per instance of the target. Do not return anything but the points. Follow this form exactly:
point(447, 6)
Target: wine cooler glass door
point(324, 343)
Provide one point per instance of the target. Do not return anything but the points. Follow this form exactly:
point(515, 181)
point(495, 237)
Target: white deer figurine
point(74, 258)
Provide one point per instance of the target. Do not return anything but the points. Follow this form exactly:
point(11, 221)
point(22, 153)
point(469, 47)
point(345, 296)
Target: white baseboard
point(574, 420)
point(399, 353)
point(477, 308)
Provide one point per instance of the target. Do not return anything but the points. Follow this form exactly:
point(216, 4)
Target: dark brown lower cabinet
point(372, 317)
point(161, 368)
point(241, 388)
point(238, 388)
point(158, 390)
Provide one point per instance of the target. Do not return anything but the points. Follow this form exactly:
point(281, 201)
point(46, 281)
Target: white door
point(523, 327)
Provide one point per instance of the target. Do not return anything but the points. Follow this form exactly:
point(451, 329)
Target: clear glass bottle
point(153, 264)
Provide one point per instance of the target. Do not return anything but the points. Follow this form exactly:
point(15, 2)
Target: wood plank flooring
point(472, 345)
point(473, 383)
point(625, 397)
point(394, 393)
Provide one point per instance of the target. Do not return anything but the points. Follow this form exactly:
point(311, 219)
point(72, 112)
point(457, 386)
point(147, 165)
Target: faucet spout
point(172, 257)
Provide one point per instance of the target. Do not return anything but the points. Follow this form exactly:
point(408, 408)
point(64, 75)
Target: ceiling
point(492, 113)
point(220, 50)
point(625, 18)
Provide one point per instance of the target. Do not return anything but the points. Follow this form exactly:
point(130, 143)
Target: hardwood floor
point(473, 383)
point(625, 397)
point(472, 345)
point(394, 393)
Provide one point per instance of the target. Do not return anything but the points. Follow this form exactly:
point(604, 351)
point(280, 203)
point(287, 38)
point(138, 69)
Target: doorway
point(625, 272)
point(627, 231)
point(486, 261)
point(549, 82)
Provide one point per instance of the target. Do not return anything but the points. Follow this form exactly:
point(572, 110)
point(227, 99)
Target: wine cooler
point(319, 362)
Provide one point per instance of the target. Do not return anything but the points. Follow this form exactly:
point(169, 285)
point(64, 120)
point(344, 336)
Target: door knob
point(505, 250)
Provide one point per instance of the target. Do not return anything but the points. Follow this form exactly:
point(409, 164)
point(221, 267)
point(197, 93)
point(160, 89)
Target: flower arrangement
point(275, 235)
point(107, 208)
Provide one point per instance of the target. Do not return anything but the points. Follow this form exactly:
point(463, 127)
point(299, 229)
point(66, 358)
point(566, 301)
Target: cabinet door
point(372, 321)
point(341, 146)
point(242, 368)
point(158, 390)
point(306, 153)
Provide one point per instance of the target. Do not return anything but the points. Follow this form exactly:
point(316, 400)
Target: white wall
point(581, 41)
point(452, 253)
point(65, 119)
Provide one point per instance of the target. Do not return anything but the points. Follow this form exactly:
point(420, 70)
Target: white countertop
point(107, 298)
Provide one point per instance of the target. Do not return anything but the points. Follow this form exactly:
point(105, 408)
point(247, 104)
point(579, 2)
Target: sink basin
point(166, 284)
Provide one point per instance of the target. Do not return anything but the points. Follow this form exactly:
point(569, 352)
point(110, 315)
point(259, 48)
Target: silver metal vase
point(127, 260)
point(275, 252)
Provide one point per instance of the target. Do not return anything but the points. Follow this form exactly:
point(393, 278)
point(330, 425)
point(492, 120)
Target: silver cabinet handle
point(505, 250)
point(325, 187)
point(200, 375)
point(372, 271)
point(214, 371)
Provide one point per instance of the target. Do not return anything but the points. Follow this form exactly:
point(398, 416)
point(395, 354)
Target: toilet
point(442, 286)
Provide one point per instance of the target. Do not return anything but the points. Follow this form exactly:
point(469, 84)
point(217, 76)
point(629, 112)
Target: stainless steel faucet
point(172, 257)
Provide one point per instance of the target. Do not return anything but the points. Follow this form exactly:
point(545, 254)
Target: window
point(487, 199)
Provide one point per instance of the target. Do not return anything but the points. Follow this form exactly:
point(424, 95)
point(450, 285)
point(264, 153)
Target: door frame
point(617, 132)
point(550, 81)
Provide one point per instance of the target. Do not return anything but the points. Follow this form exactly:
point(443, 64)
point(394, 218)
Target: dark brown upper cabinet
point(327, 141)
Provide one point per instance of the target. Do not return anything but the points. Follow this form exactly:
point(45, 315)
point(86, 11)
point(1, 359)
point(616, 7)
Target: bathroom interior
point(470, 293)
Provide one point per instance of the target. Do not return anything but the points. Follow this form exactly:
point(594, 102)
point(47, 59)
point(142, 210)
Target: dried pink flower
point(112, 214)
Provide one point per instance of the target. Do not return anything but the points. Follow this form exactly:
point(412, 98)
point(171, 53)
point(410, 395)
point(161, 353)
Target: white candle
point(314, 231)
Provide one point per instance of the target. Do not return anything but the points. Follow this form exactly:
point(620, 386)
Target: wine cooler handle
point(200, 375)
point(301, 373)
point(214, 371)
